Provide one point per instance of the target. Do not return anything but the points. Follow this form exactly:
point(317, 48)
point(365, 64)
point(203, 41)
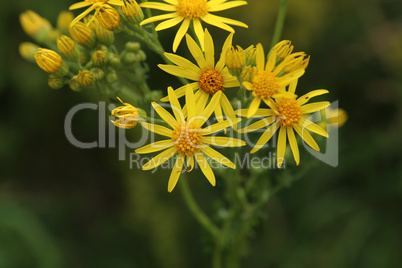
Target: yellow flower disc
point(192, 9)
point(289, 112)
point(211, 81)
point(187, 139)
point(265, 84)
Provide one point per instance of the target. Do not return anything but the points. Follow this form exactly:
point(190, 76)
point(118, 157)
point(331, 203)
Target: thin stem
point(201, 217)
point(279, 22)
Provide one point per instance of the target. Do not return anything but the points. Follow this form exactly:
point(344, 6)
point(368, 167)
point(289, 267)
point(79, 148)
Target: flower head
point(235, 59)
point(96, 5)
point(268, 80)
point(83, 35)
point(50, 61)
point(127, 115)
point(187, 139)
point(194, 11)
point(108, 17)
point(85, 78)
point(287, 114)
point(132, 11)
point(209, 77)
point(67, 47)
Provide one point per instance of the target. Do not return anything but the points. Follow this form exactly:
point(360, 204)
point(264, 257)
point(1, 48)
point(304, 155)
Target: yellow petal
point(271, 61)
point(223, 141)
point(224, 6)
point(176, 107)
point(199, 32)
point(184, 63)
point(158, 6)
point(228, 110)
point(314, 107)
point(285, 80)
point(257, 125)
point(293, 145)
point(217, 127)
point(169, 23)
point(159, 159)
point(303, 133)
point(281, 146)
point(229, 21)
point(253, 106)
point(313, 127)
point(260, 57)
point(196, 52)
point(228, 44)
point(176, 171)
point(180, 33)
point(165, 115)
point(217, 22)
point(158, 129)
point(190, 102)
point(214, 155)
point(179, 71)
point(155, 147)
point(261, 112)
point(305, 98)
point(158, 18)
point(265, 137)
point(205, 168)
point(208, 110)
point(79, 5)
point(115, 2)
point(209, 50)
point(292, 86)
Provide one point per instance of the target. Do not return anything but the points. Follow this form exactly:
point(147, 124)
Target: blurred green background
point(61, 206)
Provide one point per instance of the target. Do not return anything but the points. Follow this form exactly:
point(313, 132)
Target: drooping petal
point(155, 147)
point(159, 159)
point(303, 133)
point(165, 115)
point(216, 156)
point(305, 123)
point(293, 145)
point(176, 171)
point(265, 137)
point(161, 130)
point(205, 168)
point(180, 33)
point(217, 22)
point(292, 86)
point(281, 146)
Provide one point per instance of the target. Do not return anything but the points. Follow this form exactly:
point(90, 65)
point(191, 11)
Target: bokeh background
point(61, 206)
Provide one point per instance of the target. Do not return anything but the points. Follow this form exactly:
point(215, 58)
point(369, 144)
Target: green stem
point(200, 216)
point(279, 22)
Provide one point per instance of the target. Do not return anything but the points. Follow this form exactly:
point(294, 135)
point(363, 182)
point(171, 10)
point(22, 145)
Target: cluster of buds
point(85, 52)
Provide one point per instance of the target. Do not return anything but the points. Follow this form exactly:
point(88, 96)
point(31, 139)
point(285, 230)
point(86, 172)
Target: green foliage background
point(62, 206)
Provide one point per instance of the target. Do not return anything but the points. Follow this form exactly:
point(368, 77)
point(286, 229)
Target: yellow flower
point(50, 61)
point(283, 49)
point(96, 5)
point(187, 11)
point(210, 78)
point(187, 139)
point(267, 80)
point(83, 35)
point(235, 58)
point(287, 114)
point(296, 61)
point(128, 115)
point(67, 47)
point(108, 17)
point(132, 11)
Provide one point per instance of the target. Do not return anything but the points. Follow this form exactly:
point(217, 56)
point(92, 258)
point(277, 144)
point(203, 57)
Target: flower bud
point(127, 115)
point(247, 73)
point(114, 61)
point(64, 20)
point(55, 81)
point(99, 58)
point(235, 59)
point(27, 51)
point(74, 85)
point(132, 12)
point(283, 49)
point(111, 77)
point(35, 26)
point(108, 17)
point(83, 35)
point(250, 55)
point(67, 48)
point(85, 78)
point(84, 58)
point(133, 46)
point(51, 62)
point(97, 73)
point(295, 62)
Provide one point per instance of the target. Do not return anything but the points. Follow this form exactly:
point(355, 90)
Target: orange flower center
point(288, 112)
point(187, 139)
point(211, 81)
point(192, 9)
point(265, 84)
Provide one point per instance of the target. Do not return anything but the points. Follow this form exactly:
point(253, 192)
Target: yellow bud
point(128, 115)
point(247, 74)
point(55, 81)
point(50, 61)
point(64, 20)
point(82, 34)
point(296, 61)
point(283, 49)
point(99, 58)
point(91, 21)
point(67, 47)
point(85, 78)
point(27, 50)
point(132, 11)
point(235, 58)
point(104, 36)
point(74, 85)
point(108, 17)
point(250, 55)
point(32, 23)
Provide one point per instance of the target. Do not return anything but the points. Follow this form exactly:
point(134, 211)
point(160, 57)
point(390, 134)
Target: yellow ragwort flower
point(210, 78)
point(296, 61)
point(187, 139)
point(132, 11)
point(127, 115)
point(96, 5)
point(287, 114)
point(194, 11)
point(267, 80)
point(108, 17)
point(283, 49)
